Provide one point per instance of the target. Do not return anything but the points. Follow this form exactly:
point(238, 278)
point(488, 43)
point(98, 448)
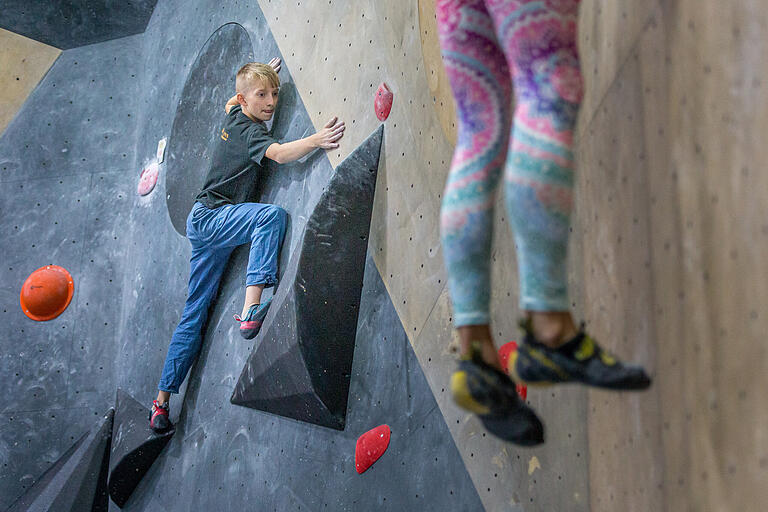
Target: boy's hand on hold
point(331, 132)
point(276, 63)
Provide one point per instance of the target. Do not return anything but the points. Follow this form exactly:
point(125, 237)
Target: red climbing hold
point(508, 354)
point(382, 103)
point(148, 178)
point(46, 293)
point(371, 446)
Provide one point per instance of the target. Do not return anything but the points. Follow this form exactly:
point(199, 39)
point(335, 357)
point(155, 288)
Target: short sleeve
point(258, 142)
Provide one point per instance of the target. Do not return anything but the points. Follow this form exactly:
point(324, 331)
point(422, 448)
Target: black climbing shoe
point(158, 417)
point(479, 388)
point(580, 359)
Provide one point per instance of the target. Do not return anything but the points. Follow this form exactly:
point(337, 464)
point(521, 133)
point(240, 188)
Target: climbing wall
point(667, 261)
point(70, 197)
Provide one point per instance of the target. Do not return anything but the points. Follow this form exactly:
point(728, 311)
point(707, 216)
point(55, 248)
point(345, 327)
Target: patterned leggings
point(481, 40)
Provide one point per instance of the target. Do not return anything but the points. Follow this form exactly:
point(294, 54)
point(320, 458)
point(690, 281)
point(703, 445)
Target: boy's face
point(260, 101)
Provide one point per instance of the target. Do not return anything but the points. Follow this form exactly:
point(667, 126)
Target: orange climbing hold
point(371, 446)
point(46, 293)
point(508, 354)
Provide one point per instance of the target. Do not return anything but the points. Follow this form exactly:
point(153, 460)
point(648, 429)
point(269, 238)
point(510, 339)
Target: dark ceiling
point(67, 24)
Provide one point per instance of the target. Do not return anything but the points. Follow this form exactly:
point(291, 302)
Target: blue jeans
point(214, 234)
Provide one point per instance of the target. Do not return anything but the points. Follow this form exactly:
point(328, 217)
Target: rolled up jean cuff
point(259, 278)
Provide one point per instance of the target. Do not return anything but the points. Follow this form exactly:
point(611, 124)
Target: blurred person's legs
point(480, 81)
point(481, 85)
point(538, 38)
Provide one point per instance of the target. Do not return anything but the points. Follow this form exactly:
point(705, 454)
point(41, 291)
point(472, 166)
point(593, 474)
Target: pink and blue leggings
point(487, 46)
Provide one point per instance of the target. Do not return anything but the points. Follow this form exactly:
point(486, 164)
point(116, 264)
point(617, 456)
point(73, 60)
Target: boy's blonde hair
point(249, 74)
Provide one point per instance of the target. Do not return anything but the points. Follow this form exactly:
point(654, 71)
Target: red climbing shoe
point(158, 417)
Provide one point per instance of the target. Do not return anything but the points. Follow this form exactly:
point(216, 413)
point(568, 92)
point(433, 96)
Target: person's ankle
point(479, 335)
point(552, 329)
point(469, 334)
point(248, 308)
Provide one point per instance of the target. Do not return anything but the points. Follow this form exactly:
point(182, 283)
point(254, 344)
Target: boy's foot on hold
point(158, 417)
point(579, 359)
point(251, 323)
point(489, 393)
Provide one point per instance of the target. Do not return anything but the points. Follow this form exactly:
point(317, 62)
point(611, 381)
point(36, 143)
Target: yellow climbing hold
point(533, 465)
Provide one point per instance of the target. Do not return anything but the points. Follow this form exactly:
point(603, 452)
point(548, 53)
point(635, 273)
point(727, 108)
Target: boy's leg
point(266, 241)
point(206, 268)
point(252, 296)
point(261, 225)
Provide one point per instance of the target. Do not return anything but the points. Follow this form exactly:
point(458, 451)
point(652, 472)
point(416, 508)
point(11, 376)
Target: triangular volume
point(73, 483)
point(301, 366)
point(134, 448)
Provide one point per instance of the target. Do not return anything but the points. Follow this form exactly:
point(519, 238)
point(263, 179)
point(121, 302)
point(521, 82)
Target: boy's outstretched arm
point(325, 139)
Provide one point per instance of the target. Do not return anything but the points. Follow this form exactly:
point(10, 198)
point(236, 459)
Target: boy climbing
point(221, 220)
point(489, 46)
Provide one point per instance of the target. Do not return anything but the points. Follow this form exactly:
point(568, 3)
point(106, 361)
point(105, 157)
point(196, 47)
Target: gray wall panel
point(69, 24)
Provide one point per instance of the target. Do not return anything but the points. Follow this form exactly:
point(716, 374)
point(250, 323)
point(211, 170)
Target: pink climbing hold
point(508, 355)
point(148, 179)
point(382, 103)
point(371, 446)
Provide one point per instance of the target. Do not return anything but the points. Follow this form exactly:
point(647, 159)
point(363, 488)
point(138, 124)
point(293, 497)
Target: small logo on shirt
point(224, 135)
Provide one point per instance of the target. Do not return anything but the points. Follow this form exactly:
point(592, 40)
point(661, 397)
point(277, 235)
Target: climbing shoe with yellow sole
point(579, 359)
point(479, 388)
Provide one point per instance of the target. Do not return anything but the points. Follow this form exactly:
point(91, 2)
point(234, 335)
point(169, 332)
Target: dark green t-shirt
point(236, 161)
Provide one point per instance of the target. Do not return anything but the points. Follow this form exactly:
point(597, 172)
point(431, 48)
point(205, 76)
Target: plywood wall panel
point(689, 99)
point(338, 54)
point(608, 31)
point(717, 111)
point(24, 63)
point(612, 197)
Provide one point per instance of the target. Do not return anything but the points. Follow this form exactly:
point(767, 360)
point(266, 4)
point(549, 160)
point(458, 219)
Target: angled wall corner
point(77, 481)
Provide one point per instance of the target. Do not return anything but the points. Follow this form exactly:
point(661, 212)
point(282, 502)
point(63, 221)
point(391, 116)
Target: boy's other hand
point(276, 64)
point(331, 132)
